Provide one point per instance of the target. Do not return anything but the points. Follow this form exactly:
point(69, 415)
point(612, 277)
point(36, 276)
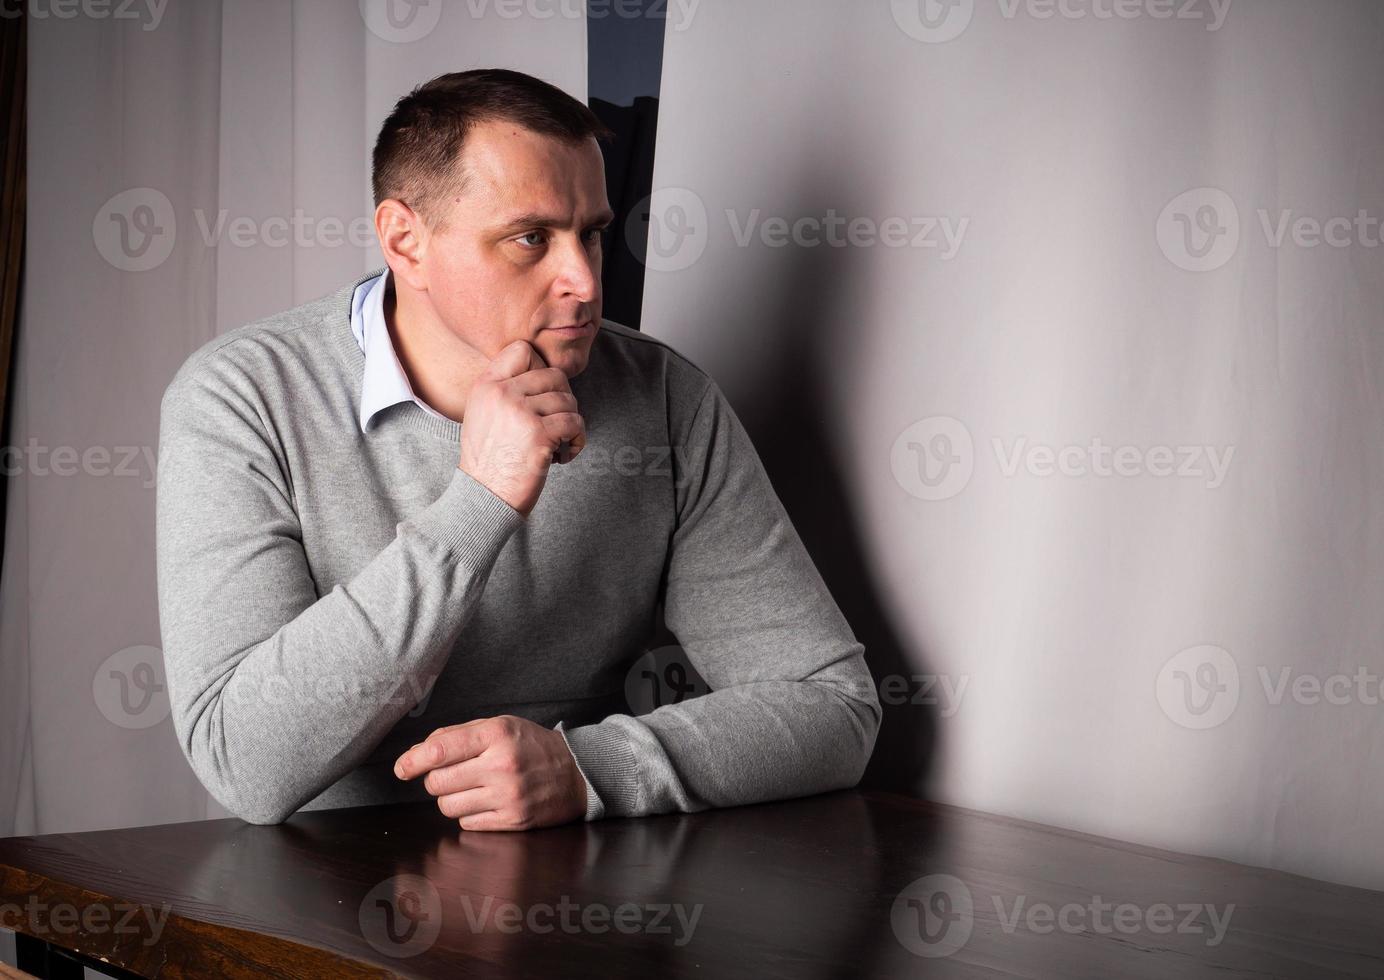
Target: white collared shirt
point(385, 382)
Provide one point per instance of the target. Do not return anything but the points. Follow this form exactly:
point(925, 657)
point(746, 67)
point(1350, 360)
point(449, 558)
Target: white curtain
point(192, 166)
point(1099, 407)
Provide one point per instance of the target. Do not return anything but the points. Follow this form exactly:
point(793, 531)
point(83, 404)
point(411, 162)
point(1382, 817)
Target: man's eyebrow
point(535, 220)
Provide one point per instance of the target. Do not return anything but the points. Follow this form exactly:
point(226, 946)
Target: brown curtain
point(13, 84)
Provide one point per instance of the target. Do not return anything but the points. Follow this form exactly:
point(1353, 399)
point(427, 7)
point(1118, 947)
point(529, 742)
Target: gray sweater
point(328, 598)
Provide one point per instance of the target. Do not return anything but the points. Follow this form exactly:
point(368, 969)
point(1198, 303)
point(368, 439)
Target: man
point(414, 535)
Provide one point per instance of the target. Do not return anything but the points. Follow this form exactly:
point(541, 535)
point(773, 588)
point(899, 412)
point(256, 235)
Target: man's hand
point(518, 414)
point(503, 773)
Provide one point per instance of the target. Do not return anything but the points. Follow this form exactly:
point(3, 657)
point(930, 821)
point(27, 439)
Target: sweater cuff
point(595, 809)
point(607, 761)
point(468, 522)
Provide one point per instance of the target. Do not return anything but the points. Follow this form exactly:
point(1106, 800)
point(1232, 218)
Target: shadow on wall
point(783, 414)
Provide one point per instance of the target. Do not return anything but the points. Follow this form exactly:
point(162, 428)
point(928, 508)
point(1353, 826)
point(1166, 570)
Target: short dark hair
point(417, 154)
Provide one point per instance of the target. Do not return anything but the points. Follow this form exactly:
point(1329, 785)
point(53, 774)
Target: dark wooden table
point(846, 884)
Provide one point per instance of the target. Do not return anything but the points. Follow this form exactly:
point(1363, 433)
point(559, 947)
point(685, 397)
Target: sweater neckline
point(338, 324)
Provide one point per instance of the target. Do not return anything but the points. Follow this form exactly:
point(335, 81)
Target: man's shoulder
point(256, 347)
point(650, 358)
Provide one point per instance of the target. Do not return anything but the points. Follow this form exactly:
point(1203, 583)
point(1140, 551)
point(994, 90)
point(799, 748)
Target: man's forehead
point(505, 156)
point(529, 174)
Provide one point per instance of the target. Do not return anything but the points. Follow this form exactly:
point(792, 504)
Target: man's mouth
point(573, 329)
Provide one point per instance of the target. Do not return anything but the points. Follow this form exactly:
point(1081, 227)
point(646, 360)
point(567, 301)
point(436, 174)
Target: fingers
point(456, 778)
point(561, 403)
point(566, 427)
point(513, 360)
point(444, 747)
point(538, 381)
point(523, 777)
point(552, 402)
point(478, 799)
point(489, 820)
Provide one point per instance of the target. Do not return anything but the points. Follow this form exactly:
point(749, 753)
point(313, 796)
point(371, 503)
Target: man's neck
point(440, 366)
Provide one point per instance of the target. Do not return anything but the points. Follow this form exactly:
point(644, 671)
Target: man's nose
point(579, 275)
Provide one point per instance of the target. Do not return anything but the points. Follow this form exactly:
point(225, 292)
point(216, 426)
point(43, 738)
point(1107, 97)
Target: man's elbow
point(260, 804)
point(869, 718)
point(862, 714)
point(251, 795)
point(264, 814)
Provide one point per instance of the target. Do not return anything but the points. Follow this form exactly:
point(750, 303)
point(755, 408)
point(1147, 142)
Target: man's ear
point(403, 239)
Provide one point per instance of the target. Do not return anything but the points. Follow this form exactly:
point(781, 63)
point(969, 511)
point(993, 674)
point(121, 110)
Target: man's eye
point(528, 234)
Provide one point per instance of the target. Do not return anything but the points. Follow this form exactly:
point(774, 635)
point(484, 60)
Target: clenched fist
point(518, 416)
point(502, 773)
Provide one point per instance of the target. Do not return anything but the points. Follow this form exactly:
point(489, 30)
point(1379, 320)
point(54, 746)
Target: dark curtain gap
point(629, 163)
point(624, 47)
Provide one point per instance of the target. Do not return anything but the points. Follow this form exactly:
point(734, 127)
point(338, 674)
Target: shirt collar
point(385, 382)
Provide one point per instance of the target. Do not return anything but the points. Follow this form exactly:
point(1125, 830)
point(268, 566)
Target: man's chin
point(567, 356)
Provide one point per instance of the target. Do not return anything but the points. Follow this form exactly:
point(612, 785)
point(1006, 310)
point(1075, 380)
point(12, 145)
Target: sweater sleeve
point(793, 709)
point(276, 692)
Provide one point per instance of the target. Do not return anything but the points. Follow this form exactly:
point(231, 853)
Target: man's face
point(521, 250)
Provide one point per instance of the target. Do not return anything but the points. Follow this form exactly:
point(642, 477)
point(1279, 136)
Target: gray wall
point(1104, 652)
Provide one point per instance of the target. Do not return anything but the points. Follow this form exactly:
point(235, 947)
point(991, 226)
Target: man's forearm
point(771, 739)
